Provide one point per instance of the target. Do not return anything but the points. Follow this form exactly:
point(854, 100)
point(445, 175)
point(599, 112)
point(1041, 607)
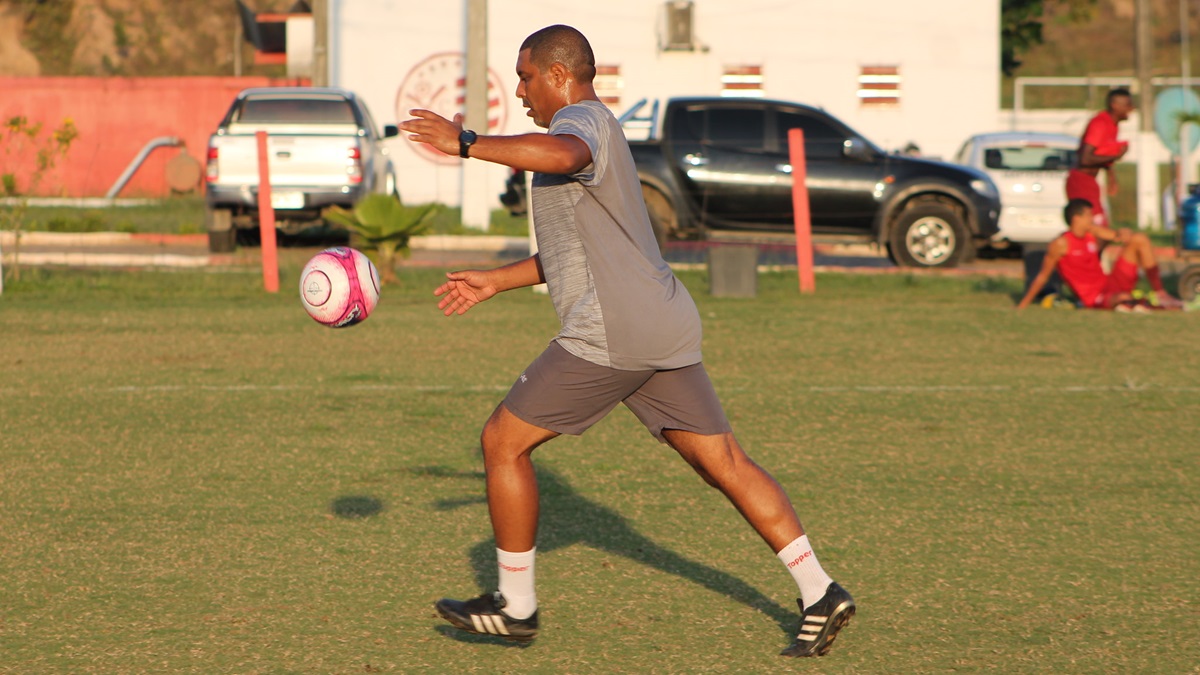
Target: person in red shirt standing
point(1099, 149)
point(1076, 255)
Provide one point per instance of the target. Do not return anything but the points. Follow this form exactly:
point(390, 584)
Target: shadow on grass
point(568, 518)
point(353, 507)
point(478, 639)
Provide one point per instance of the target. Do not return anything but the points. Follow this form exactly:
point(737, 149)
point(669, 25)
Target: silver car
point(1029, 169)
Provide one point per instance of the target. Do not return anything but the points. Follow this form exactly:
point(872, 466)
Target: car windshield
point(1028, 158)
point(296, 111)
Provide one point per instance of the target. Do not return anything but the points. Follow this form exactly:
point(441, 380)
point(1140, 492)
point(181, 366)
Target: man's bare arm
point(1088, 159)
point(537, 152)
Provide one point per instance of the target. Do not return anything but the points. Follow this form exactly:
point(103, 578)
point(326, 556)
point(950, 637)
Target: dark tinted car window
point(292, 111)
point(820, 139)
point(739, 128)
point(689, 125)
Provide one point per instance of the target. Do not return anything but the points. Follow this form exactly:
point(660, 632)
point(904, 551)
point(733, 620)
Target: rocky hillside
point(1100, 43)
point(124, 37)
point(196, 37)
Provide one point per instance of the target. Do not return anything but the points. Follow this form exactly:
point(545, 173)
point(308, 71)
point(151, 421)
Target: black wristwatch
point(465, 140)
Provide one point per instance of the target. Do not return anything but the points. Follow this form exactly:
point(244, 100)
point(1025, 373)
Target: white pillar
point(320, 53)
point(1147, 181)
point(1147, 167)
point(477, 196)
point(476, 193)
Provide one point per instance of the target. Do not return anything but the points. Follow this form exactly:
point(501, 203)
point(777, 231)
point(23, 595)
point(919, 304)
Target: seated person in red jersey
point(1076, 255)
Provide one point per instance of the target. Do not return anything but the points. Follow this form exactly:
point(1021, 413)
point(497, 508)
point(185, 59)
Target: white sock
point(803, 565)
point(516, 582)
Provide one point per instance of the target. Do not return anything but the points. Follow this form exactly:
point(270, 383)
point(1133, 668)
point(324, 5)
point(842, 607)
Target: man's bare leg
point(512, 491)
point(512, 495)
point(825, 607)
point(723, 464)
point(1139, 250)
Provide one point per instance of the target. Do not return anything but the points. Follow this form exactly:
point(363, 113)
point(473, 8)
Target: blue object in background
point(1189, 219)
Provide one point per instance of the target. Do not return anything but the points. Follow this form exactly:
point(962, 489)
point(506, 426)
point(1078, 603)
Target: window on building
point(678, 31)
point(742, 81)
point(608, 84)
point(879, 86)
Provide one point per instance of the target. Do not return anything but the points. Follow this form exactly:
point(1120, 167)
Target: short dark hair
point(1114, 93)
point(1075, 207)
point(565, 45)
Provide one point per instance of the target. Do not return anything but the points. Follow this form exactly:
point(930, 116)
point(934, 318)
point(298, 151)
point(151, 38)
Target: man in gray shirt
point(630, 334)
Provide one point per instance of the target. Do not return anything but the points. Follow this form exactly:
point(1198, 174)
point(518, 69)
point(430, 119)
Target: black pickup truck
point(723, 163)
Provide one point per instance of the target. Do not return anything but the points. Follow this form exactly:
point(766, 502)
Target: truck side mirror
point(390, 130)
point(854, 148)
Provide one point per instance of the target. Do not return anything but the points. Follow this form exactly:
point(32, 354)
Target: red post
point(266, 219)
point(803, 220)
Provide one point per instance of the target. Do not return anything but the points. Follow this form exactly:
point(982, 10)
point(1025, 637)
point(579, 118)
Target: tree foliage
point(1021, 25)
point(18, 136)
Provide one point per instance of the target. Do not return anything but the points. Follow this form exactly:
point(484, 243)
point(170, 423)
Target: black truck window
point(821, 139)
point(740, 128)
point(293, 111)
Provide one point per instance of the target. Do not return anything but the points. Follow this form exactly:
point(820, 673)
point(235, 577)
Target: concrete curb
point(447, 242)
point(439, 242)
point(433, 242)
point(85, 259)
point(76, 239)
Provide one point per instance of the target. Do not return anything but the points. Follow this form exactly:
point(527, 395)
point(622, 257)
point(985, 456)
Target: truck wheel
point(1189, 283)
point(929, 235)
point(221, 235)
point(662, 215)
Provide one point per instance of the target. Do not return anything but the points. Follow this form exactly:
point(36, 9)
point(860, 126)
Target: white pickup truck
point(323, 149)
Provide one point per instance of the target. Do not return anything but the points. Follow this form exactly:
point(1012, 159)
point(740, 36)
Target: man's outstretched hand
point(433, 129)
point(463, 290)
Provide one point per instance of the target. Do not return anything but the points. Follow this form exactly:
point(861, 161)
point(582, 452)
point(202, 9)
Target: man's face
point(1120, 107)
point(536, 91)
point(1083, 219)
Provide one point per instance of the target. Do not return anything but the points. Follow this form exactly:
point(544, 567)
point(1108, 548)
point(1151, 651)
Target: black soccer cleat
point(482, 615)
point(819, 624)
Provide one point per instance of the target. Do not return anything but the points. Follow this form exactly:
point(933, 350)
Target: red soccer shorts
point(1083, 186)
point(1121, 281)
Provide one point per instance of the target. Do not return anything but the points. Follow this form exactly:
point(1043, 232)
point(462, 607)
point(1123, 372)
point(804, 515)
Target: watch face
point(466, 138)
point(438, 83)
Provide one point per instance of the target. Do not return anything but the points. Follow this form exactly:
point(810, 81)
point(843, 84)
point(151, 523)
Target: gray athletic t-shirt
point(619, 303)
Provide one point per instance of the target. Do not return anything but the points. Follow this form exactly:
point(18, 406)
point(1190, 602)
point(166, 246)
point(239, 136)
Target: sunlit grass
point(196, 477)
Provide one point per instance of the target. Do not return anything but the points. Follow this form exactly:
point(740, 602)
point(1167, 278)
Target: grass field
point(197, 478)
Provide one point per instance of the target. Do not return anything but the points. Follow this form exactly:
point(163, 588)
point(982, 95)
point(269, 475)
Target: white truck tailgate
point(294, 160)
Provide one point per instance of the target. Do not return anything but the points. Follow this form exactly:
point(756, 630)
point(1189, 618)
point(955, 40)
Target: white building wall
point(811, 51)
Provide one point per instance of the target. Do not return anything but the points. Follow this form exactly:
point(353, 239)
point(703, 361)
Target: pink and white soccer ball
point(339, 287)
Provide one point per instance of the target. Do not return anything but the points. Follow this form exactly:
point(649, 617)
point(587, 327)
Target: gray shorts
point(566, 394)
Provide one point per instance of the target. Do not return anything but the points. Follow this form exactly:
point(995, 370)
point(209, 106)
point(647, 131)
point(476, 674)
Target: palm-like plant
point(385, 226)
point(1188, 117)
